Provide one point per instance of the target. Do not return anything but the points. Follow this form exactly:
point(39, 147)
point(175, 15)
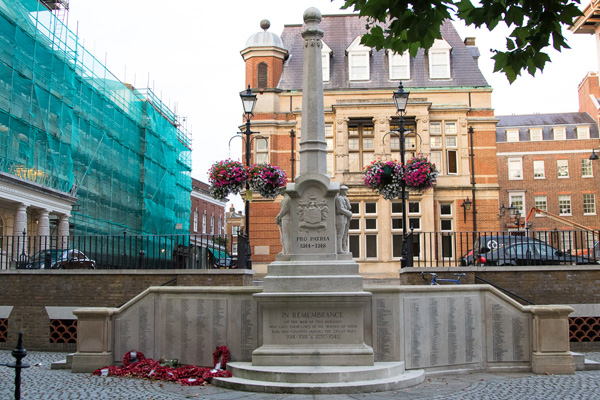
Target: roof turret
point(264, 38)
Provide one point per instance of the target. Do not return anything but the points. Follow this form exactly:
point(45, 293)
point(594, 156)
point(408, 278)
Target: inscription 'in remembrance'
point(313, 325)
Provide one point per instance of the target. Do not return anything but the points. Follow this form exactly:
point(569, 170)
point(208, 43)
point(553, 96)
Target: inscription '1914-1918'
point(313, 242)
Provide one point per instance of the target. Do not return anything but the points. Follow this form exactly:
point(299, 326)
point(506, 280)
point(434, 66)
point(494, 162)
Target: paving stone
point(39, 382)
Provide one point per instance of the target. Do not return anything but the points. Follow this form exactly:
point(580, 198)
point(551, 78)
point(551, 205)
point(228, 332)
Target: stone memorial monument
point(313, 311)
point(313, 306)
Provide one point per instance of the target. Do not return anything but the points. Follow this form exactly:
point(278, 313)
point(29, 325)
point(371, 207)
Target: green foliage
point(402, 25)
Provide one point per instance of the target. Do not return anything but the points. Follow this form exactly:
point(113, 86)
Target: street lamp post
point(401, 99)
point(248, 101)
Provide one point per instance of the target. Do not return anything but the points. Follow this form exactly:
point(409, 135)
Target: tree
point(402, 25)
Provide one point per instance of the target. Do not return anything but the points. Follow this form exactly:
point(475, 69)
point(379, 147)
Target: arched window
point(263, 75)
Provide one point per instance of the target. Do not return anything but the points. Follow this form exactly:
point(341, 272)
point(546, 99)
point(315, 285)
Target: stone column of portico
point(341, 140)
point(43, 230)
point(63, 230)
point(19, 244)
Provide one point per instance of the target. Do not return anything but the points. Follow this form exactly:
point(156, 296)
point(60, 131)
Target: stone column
point(43, 230)
point(63, 230)
point(19, 244)
point(313, 147)
point(382, 140)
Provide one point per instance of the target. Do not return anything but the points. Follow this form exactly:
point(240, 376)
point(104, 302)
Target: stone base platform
point(382, 376)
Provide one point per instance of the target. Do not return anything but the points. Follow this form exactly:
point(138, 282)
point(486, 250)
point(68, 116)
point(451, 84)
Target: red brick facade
point(548, 154)
point(207, 214)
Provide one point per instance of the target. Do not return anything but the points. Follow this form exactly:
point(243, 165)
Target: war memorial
point(313, 327)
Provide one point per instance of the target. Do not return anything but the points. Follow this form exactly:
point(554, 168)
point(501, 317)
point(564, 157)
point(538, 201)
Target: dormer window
point(326, 60)
point(399, 65)
point(439, 60)
point(358, 60)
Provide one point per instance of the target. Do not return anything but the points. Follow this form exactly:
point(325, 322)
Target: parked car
point(487, 243)
point(226, 263)
point(593, 252)
point(60, 259)
point(529, 253)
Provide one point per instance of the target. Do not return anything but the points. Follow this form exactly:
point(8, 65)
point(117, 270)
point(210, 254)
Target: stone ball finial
point(265, 24)
point(312, 14)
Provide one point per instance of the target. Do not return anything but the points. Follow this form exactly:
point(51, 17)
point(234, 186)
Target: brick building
point(207, 218)
point(448, 96)
point(234, 221)
point(543, 162)
point(207, 214)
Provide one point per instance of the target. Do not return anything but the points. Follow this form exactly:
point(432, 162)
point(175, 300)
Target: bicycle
point(435, 280)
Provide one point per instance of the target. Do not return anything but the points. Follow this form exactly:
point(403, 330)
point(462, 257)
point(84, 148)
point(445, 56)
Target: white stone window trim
point(398, 61)
point(543, 176)
point(512, 195)
point(562, 164)
point(450, 128)
point(435, 128)
point(260, 151)
point(535, 204)
point(593, 203)
point(512, 135)
point(512, 161)
point(536, 134)
point(591, 169)
point(439, 56)
point(583, 132)
point(564, 198)
point(559, 133)
point(357, 51)
point(326, 54)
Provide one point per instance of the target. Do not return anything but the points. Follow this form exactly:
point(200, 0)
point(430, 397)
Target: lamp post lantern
point(466, 205)
point(400, 100)
point(248, 101)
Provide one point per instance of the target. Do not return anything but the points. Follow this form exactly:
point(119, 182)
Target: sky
point(188, 52)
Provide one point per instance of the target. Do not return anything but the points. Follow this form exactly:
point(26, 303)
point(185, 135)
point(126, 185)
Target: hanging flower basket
point(420, 174)
point(266, 179)
point(226, 177)
point(384, 177)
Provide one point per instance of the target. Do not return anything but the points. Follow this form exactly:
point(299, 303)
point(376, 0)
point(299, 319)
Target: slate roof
point(341, 30)
point(545, 121)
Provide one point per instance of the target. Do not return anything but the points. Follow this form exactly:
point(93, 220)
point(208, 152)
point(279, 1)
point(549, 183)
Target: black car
point(486, 243)
point(60, 259)
point(532, 253)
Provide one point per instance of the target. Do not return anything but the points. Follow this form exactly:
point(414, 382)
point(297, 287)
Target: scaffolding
point(68, 123)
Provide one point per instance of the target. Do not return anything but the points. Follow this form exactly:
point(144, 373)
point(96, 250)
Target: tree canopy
point(402, 25)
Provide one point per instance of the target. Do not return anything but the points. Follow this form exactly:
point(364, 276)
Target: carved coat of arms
point(312, 214)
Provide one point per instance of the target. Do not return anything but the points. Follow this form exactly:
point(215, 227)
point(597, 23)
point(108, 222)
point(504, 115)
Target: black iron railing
point(429, 249)
point(119, 252)
point(496, 248)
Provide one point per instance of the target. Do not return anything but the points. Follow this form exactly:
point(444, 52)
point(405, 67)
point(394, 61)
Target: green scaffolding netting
point(67, 123)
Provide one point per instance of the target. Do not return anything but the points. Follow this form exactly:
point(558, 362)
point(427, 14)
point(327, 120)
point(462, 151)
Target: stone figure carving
point(343, 215)
point(283, 220)
point(312, 214)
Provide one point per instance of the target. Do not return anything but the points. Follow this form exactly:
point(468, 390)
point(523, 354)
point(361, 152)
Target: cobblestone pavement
point(39, 382)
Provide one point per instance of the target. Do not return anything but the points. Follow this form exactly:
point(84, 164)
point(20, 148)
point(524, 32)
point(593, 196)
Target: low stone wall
point(437, 328)
point(30, 300)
